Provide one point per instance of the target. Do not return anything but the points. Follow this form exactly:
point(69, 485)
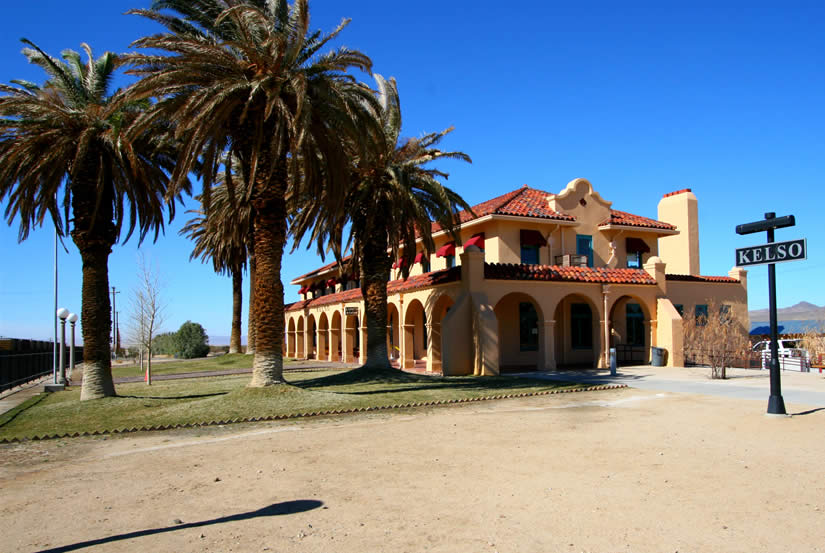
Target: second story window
point(636, 248)
point(529, 254)
point(584, 246)
point(447, 251)
point(531, 241)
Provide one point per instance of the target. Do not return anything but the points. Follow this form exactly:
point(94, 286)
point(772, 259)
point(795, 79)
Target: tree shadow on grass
point(397, 381)
point(193, 396)
point(283, 508)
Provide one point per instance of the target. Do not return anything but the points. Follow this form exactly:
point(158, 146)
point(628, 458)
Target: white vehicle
point(791, 356)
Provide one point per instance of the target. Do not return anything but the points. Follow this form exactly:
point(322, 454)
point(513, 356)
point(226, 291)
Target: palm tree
point(393, 200)
point(244, 78)
point(220, 236)
point(71, 136)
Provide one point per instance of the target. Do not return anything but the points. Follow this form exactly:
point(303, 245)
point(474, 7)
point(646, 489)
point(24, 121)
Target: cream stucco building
point(537, 281)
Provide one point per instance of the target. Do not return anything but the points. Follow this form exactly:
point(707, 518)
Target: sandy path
point(624, 470)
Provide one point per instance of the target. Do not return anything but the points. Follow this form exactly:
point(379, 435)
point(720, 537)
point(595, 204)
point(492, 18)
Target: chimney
point(680, 251)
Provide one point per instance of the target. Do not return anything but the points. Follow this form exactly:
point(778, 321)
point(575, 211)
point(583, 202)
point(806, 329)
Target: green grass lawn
point(205, 400)
point(220, 363)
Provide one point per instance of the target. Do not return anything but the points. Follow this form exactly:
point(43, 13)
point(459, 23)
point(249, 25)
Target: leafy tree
point(393, 198)
point(244, 78)
point(191, 341)
point(165, 343)
point(70, 145)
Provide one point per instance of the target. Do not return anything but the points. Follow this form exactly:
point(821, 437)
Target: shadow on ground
point(283, 508)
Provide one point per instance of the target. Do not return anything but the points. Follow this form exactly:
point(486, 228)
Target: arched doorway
point(393, 333)
point(323, 337)
point(630, 331)
point(439, 309)
point(312, 337)
point(352, 339)
point(577, 336)
point(335, 338)
point(520, 333)
point(290, 338)
point(300, 339)
point(415, 336)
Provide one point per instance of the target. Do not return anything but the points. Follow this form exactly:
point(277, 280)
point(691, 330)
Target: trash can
point(657, 357)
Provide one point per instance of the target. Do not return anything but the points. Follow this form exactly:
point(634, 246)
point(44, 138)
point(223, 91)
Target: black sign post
point(776, 405)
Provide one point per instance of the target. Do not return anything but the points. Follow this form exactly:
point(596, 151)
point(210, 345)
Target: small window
point(634, 260)
point(528, 327)
point(581, 326)
point(529, 254)
point(680, 309)
point(584, 246)
point(700, 312)
point(450, 261)
point(425, 264)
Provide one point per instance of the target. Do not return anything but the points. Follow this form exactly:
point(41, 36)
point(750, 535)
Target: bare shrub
point(717, 340)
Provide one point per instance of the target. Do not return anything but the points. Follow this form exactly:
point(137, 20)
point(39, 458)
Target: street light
point(72, 319)
point(62, 314)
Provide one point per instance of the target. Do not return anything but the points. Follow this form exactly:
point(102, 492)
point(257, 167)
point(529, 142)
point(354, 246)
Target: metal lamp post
point(72, 319)
point(62, 314)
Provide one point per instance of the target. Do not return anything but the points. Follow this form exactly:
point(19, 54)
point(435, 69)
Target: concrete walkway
point(804, 390)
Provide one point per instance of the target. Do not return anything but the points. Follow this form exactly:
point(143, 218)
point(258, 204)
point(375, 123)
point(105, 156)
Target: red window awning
point(419, 257)
point(446, 249)
point(532, 238)
point(331, 282)
point(399, 263)
point(303, 290)
point(636, 245)
point(475, 240)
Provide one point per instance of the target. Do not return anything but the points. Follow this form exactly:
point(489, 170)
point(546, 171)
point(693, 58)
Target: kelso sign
point(776, 252)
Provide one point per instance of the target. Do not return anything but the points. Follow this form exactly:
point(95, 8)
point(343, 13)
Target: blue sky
point(641, 98)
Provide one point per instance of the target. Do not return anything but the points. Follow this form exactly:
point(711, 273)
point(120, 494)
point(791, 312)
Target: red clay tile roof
point(510, 271)
point(433, 278)
point(320, 270)
point(525, 202)
point(630, 220)
point(702, 278)
point(682, 191)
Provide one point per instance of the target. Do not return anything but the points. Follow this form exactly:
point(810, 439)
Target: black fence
point(24, 360)
point(632, 355)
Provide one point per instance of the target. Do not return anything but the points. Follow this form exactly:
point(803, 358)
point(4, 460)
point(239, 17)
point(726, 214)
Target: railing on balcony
point(569, 260)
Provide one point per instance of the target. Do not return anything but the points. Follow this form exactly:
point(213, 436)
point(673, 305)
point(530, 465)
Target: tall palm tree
point(244, 77)
point(220, 237)
point(72, 137)
point(393, 199)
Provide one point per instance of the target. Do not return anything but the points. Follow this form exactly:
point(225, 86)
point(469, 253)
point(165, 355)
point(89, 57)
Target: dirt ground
point(624, 470)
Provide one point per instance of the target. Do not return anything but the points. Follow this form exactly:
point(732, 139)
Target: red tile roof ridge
point(426, 280)
point(618, 217)
point(319, 270)
point(701, 278)
point(682, 191)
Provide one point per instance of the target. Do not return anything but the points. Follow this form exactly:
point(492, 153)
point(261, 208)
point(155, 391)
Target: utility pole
point(114, 323)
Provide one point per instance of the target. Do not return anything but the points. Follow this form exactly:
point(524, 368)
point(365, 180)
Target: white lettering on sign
point(771, 253)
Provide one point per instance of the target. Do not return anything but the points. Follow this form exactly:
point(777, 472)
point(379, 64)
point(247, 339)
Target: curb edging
point(291, 416)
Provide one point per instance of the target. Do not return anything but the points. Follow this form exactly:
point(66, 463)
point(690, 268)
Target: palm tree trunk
point(375, 272)
point(269, 203)
point(96, 323)
point(237, 308)
point(250, 333)
point(94, 235)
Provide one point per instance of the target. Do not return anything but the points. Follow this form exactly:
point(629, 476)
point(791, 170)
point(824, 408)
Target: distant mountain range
point(802, 311)
point(795, 319)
